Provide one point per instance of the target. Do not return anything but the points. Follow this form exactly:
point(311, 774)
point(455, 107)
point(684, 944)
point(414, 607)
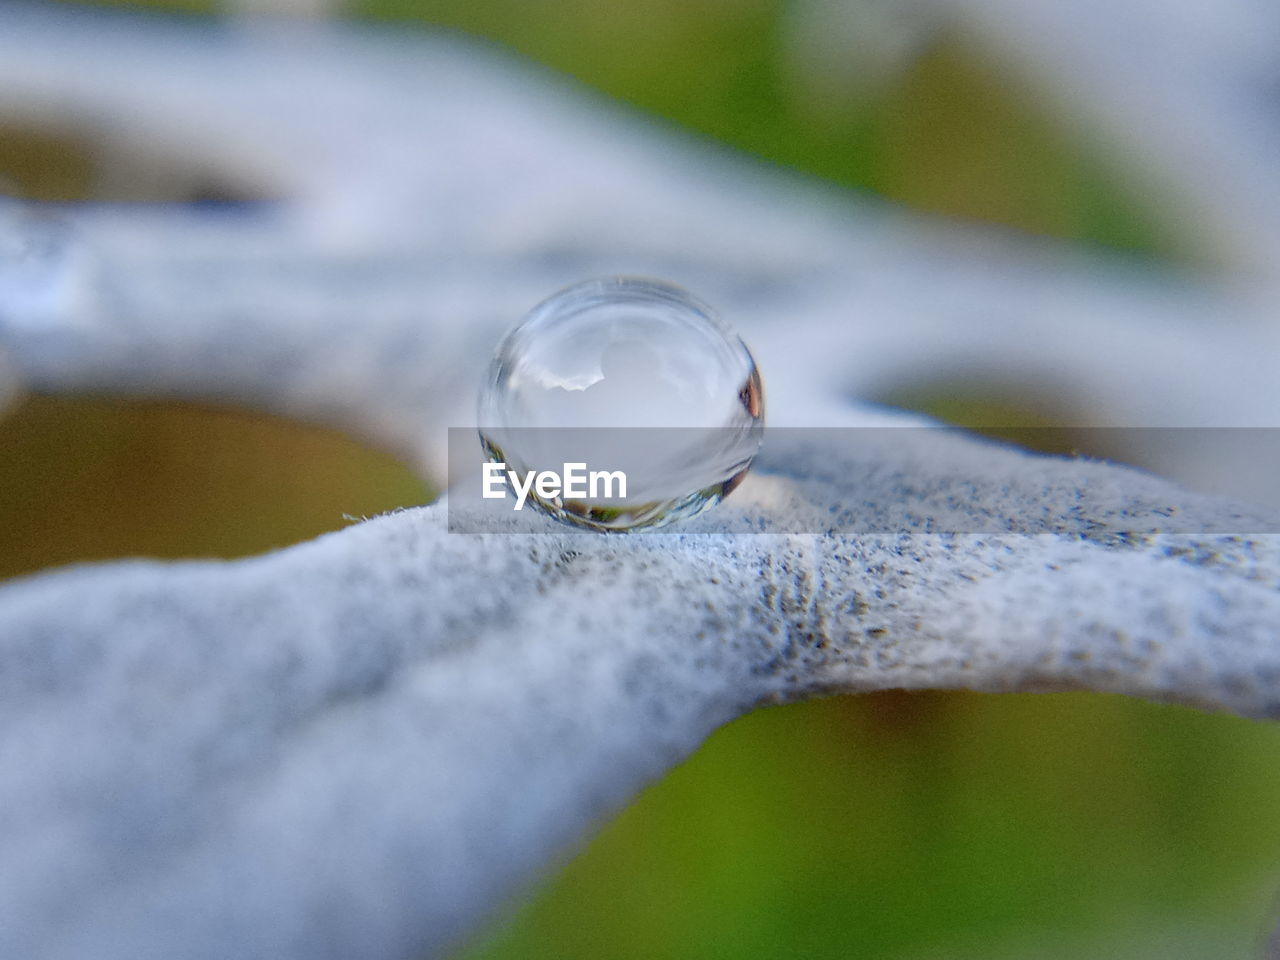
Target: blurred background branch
point(310, 9)
point(903, 826)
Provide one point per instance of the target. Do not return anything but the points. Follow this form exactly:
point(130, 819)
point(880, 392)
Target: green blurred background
point(897, 826)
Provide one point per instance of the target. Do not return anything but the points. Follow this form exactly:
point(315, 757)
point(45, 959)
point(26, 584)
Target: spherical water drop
point(624, 375)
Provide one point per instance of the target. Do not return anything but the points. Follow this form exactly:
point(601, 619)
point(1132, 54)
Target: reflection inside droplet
point(625, 375)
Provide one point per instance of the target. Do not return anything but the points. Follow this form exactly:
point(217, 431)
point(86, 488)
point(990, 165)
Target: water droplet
point(631, 376)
